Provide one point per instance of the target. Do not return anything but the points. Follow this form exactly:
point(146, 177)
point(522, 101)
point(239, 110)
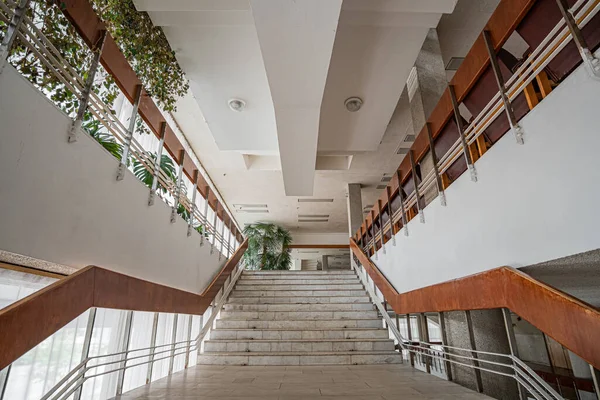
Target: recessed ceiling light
point(353, 104)
point(237, 105)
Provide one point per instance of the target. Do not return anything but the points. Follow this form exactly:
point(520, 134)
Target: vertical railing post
point(124, 348)
point(205, 227)
point(512, 345)
point(85, 353)
point(229, 245)
point(373, 234)
point(592, 62)
point(461, 134)
point(478, 381)
point(444, 344)
point(189, 339)
point(87, 87)
point(12, 32)
point(402, 199)
point(215, 219)
point(508, 108)
point(390, 214)
point(416, 182)
point(129, 136)
point(152, 350)
point(410, 348)
point(173, 340)
point(4, 374)
point(193, 210)
point(381, 230)
point(157, 163)
point(177, 193)
point(222, 235)
point(436, 169)
point(424, 338)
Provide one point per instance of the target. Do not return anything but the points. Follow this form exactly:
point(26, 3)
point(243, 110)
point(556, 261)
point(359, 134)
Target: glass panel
point(107, 338)
point(141, 336)
point(36, 372)
point(164, 335)
point(183, 322)
point(15, 285)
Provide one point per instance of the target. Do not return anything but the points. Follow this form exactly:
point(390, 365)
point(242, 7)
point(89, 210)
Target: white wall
point(60, 202)
point(532, 203)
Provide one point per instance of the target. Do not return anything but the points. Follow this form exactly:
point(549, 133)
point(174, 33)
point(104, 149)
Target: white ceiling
point(294, 63)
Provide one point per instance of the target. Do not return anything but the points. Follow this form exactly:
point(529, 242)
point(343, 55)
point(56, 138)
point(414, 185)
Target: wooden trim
point(569, 321)
point(320, 246)
point(29, 321)
point(30, 270)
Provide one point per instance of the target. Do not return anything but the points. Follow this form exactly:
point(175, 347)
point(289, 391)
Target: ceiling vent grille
point(410, 138)
point(313, 215)
point(386, 179)
point(454, 63)
point(314, 220)
point(380, 187)
point(402, 150)
point(253, 211)
point(315, 200)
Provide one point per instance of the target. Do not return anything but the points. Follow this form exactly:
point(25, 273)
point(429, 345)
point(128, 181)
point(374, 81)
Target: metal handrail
point(556, 40)
point(75, 378)
point(522, 373)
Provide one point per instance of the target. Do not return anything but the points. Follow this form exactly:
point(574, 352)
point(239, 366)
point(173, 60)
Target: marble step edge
point(305, 353)
point(298, 282)
point(269, 288)
point(338, 292)
point(302, 307)
point(341, 272)
point(298, 340)
point(300, 330)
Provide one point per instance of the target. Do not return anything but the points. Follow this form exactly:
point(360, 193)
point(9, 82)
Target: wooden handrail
point(571, 322)
point(27, 322)
point(502, 23)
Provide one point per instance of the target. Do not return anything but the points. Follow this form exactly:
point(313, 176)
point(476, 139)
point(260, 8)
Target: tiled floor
point(298, 383)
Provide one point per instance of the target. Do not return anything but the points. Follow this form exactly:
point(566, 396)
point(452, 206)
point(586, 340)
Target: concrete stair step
point(341, 277)
point(301, 307)
point(290, 273)
point(330, 286)
point(297, 293)
point(300, 325)
point(241, 299)
point(295, 334)
point(309, 345)
point(296, 315)
point(302, 358)
point(252, 282)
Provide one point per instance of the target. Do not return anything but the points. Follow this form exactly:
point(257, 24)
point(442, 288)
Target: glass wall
point(16, 285)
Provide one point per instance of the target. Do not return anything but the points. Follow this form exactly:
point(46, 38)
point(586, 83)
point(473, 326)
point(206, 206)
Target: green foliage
point(97, 131)
point(147, 49)
point(166, 165)
point(268, 247)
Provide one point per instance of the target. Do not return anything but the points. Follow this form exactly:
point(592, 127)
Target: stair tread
point(303, 353)
point(301, 330)
point(298, 340)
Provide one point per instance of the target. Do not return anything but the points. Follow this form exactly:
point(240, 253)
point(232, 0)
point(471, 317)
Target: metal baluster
point(436, 169)
point(205, 227)
point(157, 163)
point(461, 134)
point(129, 136)
point(177, 194)
point(592, 62)
point(512, 344)
point(222, 235)
point(212, 245)
point(373, 234)
point(510, 113)
point(152, 350)
point(402, 198)
point(229, 244)
point(193, 210)
point(12, 32)
point(87, 87)
point(389, 207)
point(381, 231)
point(416, 182)
point(125, 348)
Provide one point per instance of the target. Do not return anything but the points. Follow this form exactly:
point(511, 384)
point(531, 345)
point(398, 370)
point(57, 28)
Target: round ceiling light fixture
point(237, 105)
point(353, 104)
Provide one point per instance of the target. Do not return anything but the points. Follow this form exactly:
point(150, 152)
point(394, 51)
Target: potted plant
point(268, 247)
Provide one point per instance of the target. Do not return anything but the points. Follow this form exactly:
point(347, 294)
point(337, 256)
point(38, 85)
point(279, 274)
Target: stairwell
point(299, 318)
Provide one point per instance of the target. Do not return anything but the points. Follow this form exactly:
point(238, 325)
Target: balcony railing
point(463, 144)
point(204, 213)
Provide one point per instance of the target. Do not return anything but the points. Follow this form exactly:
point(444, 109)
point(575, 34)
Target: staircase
point(299, 318)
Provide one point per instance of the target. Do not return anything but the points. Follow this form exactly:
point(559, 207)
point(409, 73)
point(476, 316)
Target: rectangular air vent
point(250, 205)
point(380, 187)
point(313, 215)
point(410, 138)
point(253, 211)
point(315, 200)
point(402, 150)
point(368, 207)
point(314, 220)
point(454, 63)
point(386, 179)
